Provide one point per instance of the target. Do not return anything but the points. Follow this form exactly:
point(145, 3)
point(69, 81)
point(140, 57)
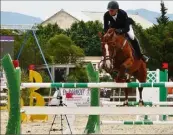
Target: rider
point(117, 18)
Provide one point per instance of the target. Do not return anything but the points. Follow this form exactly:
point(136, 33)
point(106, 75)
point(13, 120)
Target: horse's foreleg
point(121, 77)
point(127, 91)
point(126, 97)
point(141, 103)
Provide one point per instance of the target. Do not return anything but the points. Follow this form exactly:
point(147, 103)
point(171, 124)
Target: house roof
point(137, 18)
point(93, 16)
point(78, 15)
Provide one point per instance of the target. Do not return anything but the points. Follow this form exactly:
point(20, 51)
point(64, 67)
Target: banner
point(78, 96)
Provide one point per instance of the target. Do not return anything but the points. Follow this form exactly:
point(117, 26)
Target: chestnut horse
point(118, 56)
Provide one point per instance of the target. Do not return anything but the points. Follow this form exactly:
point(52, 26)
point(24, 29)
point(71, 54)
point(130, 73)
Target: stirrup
point(145, 58)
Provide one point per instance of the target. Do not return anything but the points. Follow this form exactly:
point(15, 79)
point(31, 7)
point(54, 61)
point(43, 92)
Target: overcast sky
point(45, 9)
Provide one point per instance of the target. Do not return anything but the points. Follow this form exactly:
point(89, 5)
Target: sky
point(45, 9)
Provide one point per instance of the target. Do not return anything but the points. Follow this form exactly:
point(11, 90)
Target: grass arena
point(101, 117)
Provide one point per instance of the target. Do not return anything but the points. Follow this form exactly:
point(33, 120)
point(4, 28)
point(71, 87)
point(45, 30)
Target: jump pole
point(97, 85)
point(93, 124)
point(14, 82)
point(14, 85)
point(13, 75)
point(163, 90)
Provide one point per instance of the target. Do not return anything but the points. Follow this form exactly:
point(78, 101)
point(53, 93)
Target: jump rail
point(147, 122)
point(100, 110)
point(97, 85)
point(136, 103)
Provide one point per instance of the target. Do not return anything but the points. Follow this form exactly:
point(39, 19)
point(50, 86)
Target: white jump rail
point(3, 102)
point(97, 85)
point(170, 96)
point(106, 122)
point(3, 94)
point(122, 96)
point(121, 103)
point(100, 110)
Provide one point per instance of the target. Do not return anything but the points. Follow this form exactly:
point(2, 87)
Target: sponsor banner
point(78, 96)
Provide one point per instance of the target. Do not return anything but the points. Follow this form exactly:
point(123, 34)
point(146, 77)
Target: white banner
point(80, 96)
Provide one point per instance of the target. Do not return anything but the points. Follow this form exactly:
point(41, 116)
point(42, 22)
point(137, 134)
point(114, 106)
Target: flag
point(165, 65)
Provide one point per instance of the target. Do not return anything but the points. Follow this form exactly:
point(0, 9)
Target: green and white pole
point(145, 122)
point(98, 85)
point(93, 124)
point(163, 90)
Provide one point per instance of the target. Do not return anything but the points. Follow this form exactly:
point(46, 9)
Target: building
point(66, 18)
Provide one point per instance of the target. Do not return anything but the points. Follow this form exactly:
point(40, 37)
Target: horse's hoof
point(141, 103)
point(125, 104)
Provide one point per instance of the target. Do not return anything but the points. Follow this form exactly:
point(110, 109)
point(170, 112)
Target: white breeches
point(131, 33)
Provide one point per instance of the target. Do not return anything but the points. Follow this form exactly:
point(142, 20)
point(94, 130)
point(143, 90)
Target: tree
point(163, 19)
point(61, 49)
point(6, 32)
point(85, 35)
point(78, 74)
point(158, 44)
point(106, 78)
point(31, 53)
point(139, 33)
point(44, 34)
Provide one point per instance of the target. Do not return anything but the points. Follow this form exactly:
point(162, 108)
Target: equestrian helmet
point(113, 5)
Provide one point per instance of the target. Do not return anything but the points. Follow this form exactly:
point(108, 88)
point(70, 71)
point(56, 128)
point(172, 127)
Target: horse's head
point(111, 44)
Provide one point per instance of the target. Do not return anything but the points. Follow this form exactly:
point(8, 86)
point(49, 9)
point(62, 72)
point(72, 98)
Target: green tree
point(6, 32)
point(44, 33)
point(25, 93)
point(163, 19)
point(85, 35)
point(157, 42)
point(139, 33)
point(106, 78)
point(61, 49)
point(46, 78)
point(78, 74)
point(31, 53)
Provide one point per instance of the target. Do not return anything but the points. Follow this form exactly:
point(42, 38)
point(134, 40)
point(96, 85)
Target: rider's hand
point(119, 31)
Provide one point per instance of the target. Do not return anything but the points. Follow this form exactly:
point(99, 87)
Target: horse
point(118, 56)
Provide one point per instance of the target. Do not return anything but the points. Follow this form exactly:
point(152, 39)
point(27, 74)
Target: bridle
point(111, 58)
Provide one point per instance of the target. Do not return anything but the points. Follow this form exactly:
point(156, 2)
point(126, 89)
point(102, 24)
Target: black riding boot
point(136, 46)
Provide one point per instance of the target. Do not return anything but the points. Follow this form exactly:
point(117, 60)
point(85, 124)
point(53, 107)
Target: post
point(93, 124)
point(163, 90)
point(13, 80)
